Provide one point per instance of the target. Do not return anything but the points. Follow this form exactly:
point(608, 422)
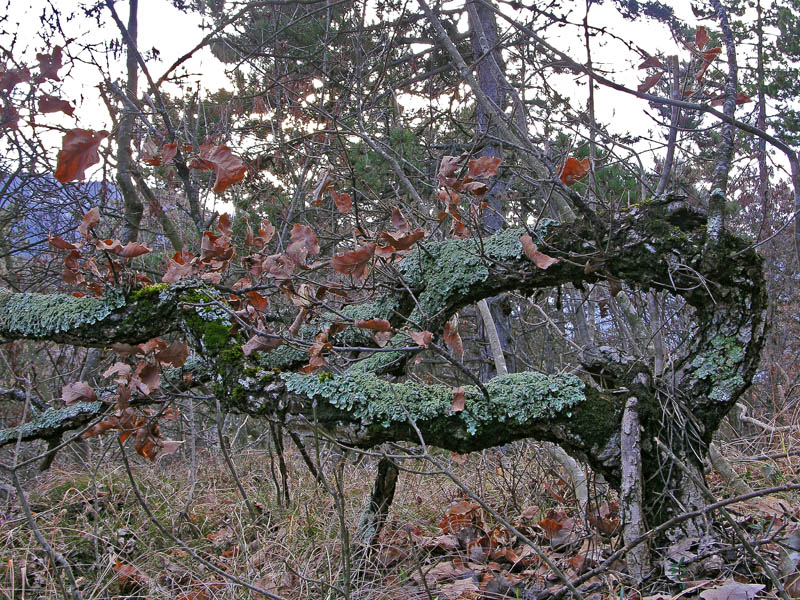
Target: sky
point(173, 33)
point(161, 26)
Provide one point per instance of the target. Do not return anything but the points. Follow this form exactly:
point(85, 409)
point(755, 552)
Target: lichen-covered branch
point(660, 245)
point(88, 321)
point(53, 422)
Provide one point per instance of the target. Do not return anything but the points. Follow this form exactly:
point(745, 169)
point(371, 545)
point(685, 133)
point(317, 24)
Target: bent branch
point(661, 244)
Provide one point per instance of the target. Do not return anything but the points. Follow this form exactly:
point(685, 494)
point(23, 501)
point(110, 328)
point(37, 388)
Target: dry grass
point(92, 517)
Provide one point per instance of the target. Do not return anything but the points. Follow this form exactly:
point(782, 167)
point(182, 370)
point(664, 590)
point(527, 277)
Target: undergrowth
point(437, 542)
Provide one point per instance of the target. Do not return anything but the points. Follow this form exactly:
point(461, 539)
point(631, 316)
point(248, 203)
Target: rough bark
point(631, 492)
point(657, 245)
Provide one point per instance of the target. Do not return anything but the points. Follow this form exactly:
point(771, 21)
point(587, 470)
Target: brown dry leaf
point(303, 297)
point(460, 514)
point(651, 62)
point(485, 166)
point(131, 250)
point(260, 343)
point(374, 324)
point(382, 338)
point(459, 400)
point(147, 446)
point(129, 578)
point(770, 506)
point(649, 82)
point(51, 104)
point(146, 378)
point(448, 169)
point(178, 267)
point(49, 64)
point(303, 243)
point(732, 590)
point(701, 37)
point(447, 571)
point(325, 182)
point(89, 221)
point(452, 338)
point(10, 78)
point(77, 392)
point(354, 262)
point(100, 427)
point(741, 98)
point(574, 170)
point(708, 58)
point(344, 203)
point(257, 301)
point(461, 589)
point(228, 167)
point(265, 233)
point(541, 260)
point(78, 153)
point(403, 242)
point(151, 345)
point(120, 369)
point(58, 242)
point(108, 245)
point(168, 152)
point(421, 338)
point(175, 354)
point(459, 459)
point(224, 225)
point(399, 222)
point(478, 188)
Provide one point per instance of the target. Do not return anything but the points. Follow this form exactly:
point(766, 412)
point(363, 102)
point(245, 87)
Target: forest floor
point(438, 543)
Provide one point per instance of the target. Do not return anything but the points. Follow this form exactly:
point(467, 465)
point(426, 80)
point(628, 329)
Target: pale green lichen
point(284, 357)
point(50, 421)
point(719, 366)
point(521, 398)
point(721, 361)
point(724, 390)
point(43, 315)
point(288, 356)
point(454, 267)
point(209, 305)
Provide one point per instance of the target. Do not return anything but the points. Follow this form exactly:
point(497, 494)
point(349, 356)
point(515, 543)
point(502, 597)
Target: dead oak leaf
point(51, 104)
point(485, 166)
point(49, 64)
point(573, 170)
point(452, 338)
point(374, 324)
point(354, 262)
point(541, 260)
point(421, 338)
point(228, 167)
point(78, 153)
point(302, 243)
point(77, 392)
point(459, 400)
point(649, 82)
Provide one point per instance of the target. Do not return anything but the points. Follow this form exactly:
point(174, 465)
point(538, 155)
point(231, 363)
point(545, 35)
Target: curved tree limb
point(658, 245)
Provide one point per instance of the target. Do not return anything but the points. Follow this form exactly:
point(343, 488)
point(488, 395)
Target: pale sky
point(173, 33)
